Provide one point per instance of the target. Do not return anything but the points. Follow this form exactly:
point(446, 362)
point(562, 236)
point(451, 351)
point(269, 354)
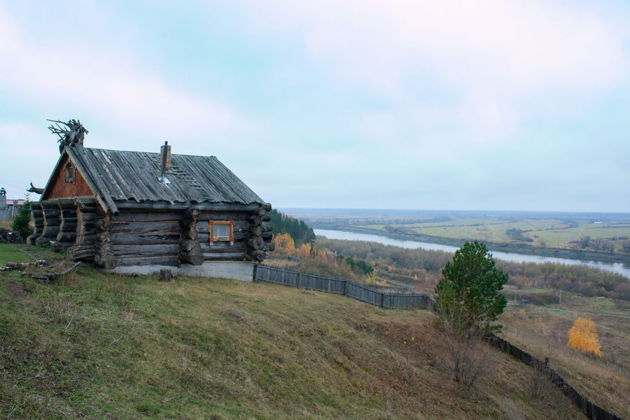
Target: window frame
point(211, 237)
point(71, 173)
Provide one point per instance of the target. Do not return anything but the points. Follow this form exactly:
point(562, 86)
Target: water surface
point(618, 268)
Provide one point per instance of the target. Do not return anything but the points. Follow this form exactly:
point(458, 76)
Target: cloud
point(515, 45)
point(497, 61)
point(85, 65)
point(104, 81)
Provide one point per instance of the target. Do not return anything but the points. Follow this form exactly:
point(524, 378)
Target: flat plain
point(606, 234)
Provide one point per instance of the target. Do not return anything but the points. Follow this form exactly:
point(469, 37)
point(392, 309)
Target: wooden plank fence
point(384, 296)
point(404, 298)
point(589, 408)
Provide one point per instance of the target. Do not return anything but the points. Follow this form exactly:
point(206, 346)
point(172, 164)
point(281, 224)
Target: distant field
point(549, 233)
point(595, 233)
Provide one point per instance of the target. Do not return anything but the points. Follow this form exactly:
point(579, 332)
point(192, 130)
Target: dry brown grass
point(100, 345)
point(543, 332)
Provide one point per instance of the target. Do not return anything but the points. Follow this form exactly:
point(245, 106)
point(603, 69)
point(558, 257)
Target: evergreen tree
point(469, 302)
point(299, 231)
point(22, 220)
point(468, 295)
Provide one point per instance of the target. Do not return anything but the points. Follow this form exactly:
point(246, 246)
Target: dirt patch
point(417, 339)
point(16, 289)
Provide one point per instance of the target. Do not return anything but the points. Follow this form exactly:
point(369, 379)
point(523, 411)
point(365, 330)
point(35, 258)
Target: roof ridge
point(152, 153)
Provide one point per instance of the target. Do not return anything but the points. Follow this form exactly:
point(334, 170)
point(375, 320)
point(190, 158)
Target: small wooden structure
point(119, 208)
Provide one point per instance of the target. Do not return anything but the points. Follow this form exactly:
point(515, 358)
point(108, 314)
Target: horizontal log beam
point(66, 237)
point(224, 247)
point(145, 227)
point(224, 256)
point(148, 260)
point(87, 216)
point(67, 204)
point(82, 254)
point(145, 239)
point(223, 216)
point(50, 204)
point(144, 250)
point(147, 217)
point(52, 221)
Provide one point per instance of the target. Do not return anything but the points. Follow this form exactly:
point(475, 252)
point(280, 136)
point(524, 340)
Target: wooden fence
point(384, 296)
point(405, 298)
point(590, 409)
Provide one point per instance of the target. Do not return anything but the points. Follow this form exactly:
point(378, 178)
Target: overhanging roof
point(134, 176)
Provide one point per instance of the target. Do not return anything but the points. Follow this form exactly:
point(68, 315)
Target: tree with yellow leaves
point(304, 251)
point(284, 244)
point(583, 337)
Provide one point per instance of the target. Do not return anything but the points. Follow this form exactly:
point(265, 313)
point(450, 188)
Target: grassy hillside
point(100, 345)
point(543, 331)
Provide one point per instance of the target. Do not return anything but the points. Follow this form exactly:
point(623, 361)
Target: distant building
point(9, 208)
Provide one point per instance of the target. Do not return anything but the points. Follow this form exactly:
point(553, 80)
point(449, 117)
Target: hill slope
point(99, 345)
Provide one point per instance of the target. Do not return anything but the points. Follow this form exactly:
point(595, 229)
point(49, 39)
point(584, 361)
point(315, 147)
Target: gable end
point(67, 181)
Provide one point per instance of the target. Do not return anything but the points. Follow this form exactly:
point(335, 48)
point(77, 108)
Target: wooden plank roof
point(134, 176)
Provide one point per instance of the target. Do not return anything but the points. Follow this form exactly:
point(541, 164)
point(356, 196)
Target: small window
point(70, 173)
point(222, 232)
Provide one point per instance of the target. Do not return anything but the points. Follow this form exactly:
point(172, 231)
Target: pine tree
point(468, 293)
point(469, 301)
point(21, 222)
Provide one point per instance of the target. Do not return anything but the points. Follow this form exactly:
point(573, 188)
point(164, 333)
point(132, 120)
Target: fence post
point(298, 280)
point(254, 273)
point(345, 287)
point(382, 300)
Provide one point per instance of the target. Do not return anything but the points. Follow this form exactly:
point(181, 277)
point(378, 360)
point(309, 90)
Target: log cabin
point(120, 208)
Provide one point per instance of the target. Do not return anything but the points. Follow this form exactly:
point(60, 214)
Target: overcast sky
point(505, 105)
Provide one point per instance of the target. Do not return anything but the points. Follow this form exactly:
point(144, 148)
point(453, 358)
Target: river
point(618, 268)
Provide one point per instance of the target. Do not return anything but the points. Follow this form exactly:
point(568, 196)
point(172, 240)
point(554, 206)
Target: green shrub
point(21, 222)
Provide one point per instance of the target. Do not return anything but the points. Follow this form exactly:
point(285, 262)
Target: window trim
point(71, 173)
point(212, 223)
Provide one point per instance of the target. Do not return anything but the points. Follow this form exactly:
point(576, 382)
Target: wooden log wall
point(189, 246)
point(146, 237)
point(104, 254)
point(260, 240)
point(68, 226)
point(223, 250)
point(84, 247)
point(52, 222)
point(37, 214)
point(150, 236)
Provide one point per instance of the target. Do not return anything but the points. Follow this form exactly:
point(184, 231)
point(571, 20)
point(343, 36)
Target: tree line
point(299, 231)
point(424, 266)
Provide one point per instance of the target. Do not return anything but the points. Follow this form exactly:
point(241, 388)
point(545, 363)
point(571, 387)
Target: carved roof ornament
point(70, 133)
point(35, 190)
